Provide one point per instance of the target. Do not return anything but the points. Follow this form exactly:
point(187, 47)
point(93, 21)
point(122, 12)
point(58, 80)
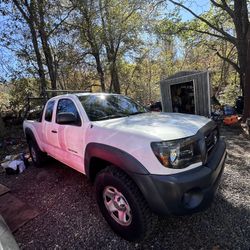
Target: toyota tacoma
point(143, 164)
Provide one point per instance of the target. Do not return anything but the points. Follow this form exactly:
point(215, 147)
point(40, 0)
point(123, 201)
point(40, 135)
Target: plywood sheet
point(3, 189)
point(15, 212)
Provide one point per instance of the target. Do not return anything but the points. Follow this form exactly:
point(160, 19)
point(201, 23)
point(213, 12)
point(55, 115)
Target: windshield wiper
point(137, 113)
point(119, 115)
point(111, 117)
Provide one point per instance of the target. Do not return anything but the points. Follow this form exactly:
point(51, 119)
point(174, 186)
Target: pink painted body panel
point(131, 134)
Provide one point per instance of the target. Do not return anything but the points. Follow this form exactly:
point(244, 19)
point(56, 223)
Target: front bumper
point(185, 192)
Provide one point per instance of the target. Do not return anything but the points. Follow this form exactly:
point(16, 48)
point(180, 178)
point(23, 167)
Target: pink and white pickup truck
point(143, 164)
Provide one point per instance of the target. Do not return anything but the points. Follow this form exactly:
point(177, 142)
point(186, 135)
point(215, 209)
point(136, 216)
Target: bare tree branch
point(17, 4)
point(223, 6)
point(230, 38)
point(229, 61)
point(226, 58)
point(61, 22)
point(210, 34)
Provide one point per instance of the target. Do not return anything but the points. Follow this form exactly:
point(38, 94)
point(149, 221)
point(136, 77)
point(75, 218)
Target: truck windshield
point(102, 107)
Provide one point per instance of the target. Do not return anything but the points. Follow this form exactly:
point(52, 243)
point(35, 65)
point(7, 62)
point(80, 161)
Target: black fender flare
point(113, 155)
point(29, 134)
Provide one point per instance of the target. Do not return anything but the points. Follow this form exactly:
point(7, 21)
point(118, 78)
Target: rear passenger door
point(70, 136)
point(50, 139)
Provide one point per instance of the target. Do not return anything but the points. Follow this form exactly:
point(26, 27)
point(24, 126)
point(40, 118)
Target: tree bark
point(100, 71)
point(111, 45)
point(114, 84)
point(112, 59)
point(89, 32)
point(46, 48)
point(41, 72)
point(246, 113)
point(242, 28)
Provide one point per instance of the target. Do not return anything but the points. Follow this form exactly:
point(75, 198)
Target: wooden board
point(15, 212)
point(3, 189)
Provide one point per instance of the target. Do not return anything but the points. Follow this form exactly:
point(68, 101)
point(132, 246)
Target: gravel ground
point(69, 217)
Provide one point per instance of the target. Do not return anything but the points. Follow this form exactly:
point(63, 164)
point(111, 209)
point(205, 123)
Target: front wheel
point(123, 206)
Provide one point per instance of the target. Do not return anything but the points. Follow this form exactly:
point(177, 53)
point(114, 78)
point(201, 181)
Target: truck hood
point(156, 126)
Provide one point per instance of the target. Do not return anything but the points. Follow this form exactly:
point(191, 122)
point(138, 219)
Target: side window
point(49, 111)
point(67, 106)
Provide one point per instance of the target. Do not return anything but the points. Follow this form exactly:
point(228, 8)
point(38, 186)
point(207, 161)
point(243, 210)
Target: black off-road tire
point(38, 157)
point(143, 220)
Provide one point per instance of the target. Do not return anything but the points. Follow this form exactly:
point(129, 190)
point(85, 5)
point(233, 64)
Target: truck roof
point(82, 94)
point(97, 93)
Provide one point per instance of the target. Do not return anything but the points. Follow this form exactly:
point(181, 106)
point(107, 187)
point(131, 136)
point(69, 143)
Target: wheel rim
point(117, 206)
point(33, 153)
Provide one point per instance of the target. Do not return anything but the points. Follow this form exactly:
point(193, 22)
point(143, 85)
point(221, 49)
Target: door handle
point(54, 131)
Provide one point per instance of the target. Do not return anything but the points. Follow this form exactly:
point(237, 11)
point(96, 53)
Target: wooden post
point(2, 128)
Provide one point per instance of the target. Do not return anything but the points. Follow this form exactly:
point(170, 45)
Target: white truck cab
point(142, 163)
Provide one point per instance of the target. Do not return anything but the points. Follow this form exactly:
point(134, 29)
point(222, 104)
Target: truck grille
point(211, 138)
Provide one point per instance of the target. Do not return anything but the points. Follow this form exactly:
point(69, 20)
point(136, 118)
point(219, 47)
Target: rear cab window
point(49, 111)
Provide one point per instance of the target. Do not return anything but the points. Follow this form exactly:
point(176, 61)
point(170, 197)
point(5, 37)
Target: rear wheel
point(37, 156)
point(123, 206)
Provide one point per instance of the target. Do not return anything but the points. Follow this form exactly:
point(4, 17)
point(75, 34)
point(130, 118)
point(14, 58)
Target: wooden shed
point(187, 92)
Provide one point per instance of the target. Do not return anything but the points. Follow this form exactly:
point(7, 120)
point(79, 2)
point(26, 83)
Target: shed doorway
point(182, 96)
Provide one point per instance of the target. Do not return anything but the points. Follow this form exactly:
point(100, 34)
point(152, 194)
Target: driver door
point(70, 136)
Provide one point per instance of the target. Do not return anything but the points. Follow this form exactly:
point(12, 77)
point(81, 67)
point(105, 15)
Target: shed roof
point(183, 73)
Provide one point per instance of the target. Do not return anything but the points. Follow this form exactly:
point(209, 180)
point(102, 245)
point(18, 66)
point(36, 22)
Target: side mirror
point(66, 118)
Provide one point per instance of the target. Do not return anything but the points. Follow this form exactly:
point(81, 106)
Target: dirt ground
point(69, 217)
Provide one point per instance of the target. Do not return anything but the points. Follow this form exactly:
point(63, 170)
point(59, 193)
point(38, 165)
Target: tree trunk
point(39, 60)
point(30, 19)
point(100, 71)
point(242, 28)
point(246, 113)
point(45, 45)
point(115, 84)
point(242, 58)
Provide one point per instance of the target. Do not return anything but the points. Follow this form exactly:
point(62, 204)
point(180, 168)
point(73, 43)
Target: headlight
point(177, 153)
